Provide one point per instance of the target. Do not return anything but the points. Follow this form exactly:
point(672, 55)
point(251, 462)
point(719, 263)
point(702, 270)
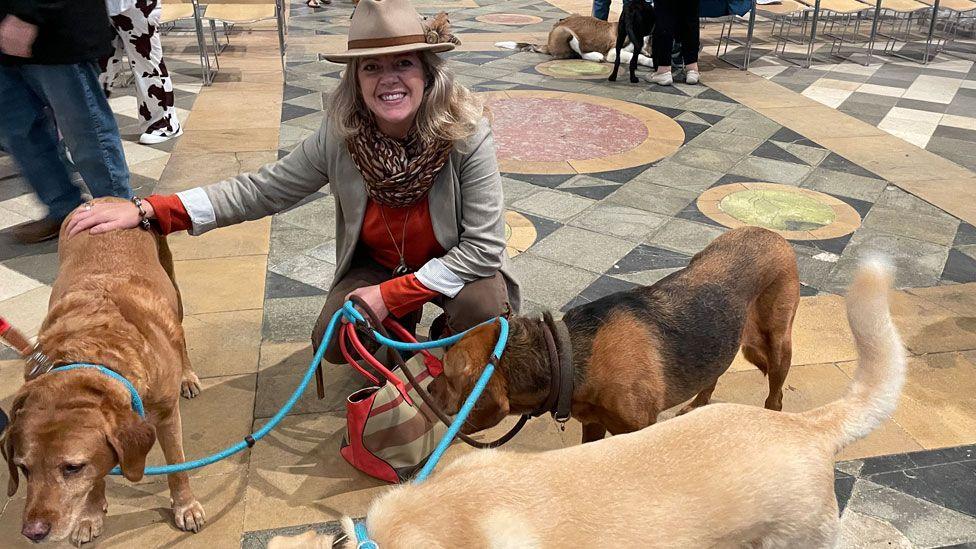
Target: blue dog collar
point(362, 538)
point(136, 399)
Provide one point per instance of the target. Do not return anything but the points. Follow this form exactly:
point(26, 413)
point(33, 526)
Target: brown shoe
point(37, 231)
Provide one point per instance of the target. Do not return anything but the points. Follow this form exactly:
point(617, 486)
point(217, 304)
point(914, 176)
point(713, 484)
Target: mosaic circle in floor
point(520, 233)
point(795, 213)
point(575, 68)
point(512, 19)
point(545, 132)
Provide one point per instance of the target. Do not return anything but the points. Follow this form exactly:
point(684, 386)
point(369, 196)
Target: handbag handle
point(350, 333)
point(425, 396)
point(344, 349)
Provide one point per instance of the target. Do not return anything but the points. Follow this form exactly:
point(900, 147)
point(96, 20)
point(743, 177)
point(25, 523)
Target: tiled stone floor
point(252, 292)
point(932, 106)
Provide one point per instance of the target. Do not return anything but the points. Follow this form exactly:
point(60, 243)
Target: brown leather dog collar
point(560, 348)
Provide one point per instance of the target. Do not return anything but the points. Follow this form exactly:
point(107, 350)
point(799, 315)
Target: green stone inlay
point(777, 210)
point(508, 232)
point(578, 67)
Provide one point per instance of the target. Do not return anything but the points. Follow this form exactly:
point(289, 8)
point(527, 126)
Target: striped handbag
point(390, 431)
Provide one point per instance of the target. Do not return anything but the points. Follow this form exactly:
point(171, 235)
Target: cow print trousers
point(137, 37)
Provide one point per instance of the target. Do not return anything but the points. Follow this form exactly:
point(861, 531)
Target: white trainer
point(660, 78)
point(155, 138)
point(692, 77)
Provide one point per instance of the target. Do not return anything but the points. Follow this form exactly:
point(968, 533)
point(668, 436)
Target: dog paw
point(190, 385)
point(634, 80)
point(89, 527)
point(189, 517)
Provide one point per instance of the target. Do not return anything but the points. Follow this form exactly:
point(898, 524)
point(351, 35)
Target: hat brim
point(348, 55)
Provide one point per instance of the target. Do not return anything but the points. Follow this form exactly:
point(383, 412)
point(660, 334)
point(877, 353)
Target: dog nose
point(36, 530)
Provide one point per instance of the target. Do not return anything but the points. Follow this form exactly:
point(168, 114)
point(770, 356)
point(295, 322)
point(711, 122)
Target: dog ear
point(7, 444)
point(7, 448)
point(131, 442)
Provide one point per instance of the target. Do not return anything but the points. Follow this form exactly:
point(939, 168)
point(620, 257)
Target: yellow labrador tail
point(873, 395)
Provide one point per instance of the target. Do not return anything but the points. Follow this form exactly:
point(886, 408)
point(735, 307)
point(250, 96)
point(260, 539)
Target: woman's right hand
point(107, 216)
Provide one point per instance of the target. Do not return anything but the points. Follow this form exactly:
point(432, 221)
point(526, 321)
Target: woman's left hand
point(373, 298)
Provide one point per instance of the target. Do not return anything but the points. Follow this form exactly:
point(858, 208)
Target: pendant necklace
point(402, 269)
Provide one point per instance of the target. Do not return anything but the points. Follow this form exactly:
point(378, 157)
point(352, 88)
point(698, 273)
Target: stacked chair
point(223, 16)
point(851, 27)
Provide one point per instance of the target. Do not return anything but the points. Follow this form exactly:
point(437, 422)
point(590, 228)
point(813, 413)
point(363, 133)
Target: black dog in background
point(636, 22)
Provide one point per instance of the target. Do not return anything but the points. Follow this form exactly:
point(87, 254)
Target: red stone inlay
point(554, 130)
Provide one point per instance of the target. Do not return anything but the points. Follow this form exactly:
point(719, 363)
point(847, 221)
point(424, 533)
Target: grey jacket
point(466, 206)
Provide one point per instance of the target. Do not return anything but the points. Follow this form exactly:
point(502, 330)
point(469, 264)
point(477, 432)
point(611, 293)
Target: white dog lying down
point(585, 37)
point(724, 475)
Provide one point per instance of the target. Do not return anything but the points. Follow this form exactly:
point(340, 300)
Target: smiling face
point(392, 88)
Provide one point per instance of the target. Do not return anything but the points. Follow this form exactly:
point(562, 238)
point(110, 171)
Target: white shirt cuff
point(436, 276)
point(200, 209)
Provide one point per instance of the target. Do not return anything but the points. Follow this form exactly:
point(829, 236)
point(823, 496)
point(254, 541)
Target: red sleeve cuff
point(170, 213)
point(404, 295)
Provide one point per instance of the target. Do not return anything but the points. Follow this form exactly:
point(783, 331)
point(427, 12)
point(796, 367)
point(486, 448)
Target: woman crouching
point(410, 159)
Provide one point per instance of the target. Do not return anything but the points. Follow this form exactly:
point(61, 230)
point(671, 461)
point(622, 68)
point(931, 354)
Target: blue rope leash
point(362, 534)
point(468, 405)
point(350, 312)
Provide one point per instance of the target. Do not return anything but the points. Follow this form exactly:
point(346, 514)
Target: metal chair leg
point(216, 43)
point(202, 45)
point(280, 16)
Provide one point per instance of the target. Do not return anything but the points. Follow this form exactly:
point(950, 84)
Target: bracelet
point(143, 220)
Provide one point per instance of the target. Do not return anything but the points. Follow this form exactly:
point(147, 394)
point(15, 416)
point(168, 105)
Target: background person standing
point(136, 24)
point(48, 58)
point(677, 20)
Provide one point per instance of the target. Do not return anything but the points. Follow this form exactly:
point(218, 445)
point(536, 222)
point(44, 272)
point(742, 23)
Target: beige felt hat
point(382, 27)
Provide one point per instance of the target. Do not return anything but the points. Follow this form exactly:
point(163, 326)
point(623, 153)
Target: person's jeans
point(601, 9)
point(85, 120)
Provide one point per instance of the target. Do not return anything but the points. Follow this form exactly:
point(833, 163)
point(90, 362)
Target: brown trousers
point(477, 302)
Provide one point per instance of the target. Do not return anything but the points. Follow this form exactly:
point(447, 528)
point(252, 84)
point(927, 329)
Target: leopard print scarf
point(397, 173)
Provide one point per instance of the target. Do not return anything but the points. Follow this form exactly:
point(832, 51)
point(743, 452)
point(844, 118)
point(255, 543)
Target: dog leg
point(594, 56)
point(700, 400)
point(92, 517)
point(189, 382)
point(617, 51)
point(766, 339)
point(593, 432)
point(187, 511)
point(635, 55)
point(780, 356)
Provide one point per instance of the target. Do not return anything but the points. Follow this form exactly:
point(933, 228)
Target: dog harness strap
point(136, 399)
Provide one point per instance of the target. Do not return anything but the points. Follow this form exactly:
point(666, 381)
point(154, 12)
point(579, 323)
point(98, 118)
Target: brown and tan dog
point(725, 475)
point(584, 37)
point(114, 303)
point(640, 352)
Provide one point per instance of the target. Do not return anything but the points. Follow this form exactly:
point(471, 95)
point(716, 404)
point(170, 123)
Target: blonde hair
point(448, 111)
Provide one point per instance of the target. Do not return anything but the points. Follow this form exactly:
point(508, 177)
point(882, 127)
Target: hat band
point(387, 42)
